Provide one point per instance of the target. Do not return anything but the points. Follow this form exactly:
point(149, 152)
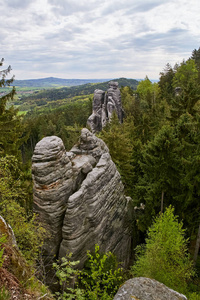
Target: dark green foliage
point(79, 90)
point(169, 158)
point(152, 110)
point(166, 83)
point(196, 57)
point(156, 151)
point(101, 277)
point(11, 137)
point(161, 168)
point(186, 102)
point(116, 137)
point(13, 198)
point(131, 104)
point(4, 83)
point(185, 73)
point(99, 280)
point(65, 122)
point(66, 273)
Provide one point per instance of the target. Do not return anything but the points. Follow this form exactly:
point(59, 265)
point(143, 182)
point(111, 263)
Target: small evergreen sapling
point(165, 256)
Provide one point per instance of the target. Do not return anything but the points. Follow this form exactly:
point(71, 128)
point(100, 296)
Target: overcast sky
point(97, 38)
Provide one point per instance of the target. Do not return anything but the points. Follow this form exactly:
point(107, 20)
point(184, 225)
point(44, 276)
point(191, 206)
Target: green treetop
point(10, 122)
point(165, 255)
point(161, 166)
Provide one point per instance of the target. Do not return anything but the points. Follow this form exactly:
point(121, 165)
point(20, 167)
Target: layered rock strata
point(104, 104)
point(80, 198)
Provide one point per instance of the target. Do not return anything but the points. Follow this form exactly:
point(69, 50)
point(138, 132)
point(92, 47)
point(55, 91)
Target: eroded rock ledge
point(79, 197)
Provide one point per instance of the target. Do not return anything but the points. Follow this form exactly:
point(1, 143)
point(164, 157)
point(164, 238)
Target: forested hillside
point(54, 82)
point(156, 150)
point(55, 97)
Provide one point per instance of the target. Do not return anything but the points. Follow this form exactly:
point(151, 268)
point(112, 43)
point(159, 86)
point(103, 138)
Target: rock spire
point(104, 104)
point(79, 197)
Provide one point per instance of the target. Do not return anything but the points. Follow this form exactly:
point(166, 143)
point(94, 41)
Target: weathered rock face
point(80, 199)
point(146, 289)
point(53, 184)
point(114, 100)
point(104, 104)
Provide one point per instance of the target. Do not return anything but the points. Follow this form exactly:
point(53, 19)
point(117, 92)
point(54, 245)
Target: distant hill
point(54, 82)
point(85, 89)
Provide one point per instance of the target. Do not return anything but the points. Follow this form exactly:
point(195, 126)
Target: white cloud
point(97, 38)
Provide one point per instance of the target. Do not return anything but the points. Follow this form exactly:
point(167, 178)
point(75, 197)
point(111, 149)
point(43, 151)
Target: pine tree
point(165, 255)
point(161, 169)
point(11, 137)
point(5, 83)
point(196, 57)
point(188, 130)
point(151, 109)
point(165, 82)
point(116, 136)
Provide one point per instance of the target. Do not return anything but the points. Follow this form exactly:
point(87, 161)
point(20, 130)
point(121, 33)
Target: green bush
point(66, 273)
point(194, 296)
point(99, 280)
point(165, 256)
point(101, 277)
point(13, 195)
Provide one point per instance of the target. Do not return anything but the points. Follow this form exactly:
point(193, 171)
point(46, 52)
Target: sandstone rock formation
point(104, 104)
point(141, 288)
point(80, 198)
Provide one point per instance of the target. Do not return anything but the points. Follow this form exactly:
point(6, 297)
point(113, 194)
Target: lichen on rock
point(141, 288)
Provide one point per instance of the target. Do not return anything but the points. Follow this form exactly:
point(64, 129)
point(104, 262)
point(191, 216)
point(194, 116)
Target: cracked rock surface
point(79, 197)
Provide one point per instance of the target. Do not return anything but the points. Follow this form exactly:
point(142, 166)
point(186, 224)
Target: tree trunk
point(23, 154)
point(197, 247)
point(162, 200)
point(31, 143)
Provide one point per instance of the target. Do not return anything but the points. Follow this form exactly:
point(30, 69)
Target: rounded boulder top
point(146, 289)
point(113, 84)
point(48, 148)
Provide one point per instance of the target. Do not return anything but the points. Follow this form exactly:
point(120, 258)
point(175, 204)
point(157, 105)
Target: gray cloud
point(18, 4)
point(145, 6)
point(174, 40)
point(63, 35)
point(68, 7)
point(40, 19)
point(96, 38)
point(131, 7)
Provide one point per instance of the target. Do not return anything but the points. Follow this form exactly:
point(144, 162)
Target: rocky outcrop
point(53, 184)
point(80, 198)
point(141, 288)
point(104, 104)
